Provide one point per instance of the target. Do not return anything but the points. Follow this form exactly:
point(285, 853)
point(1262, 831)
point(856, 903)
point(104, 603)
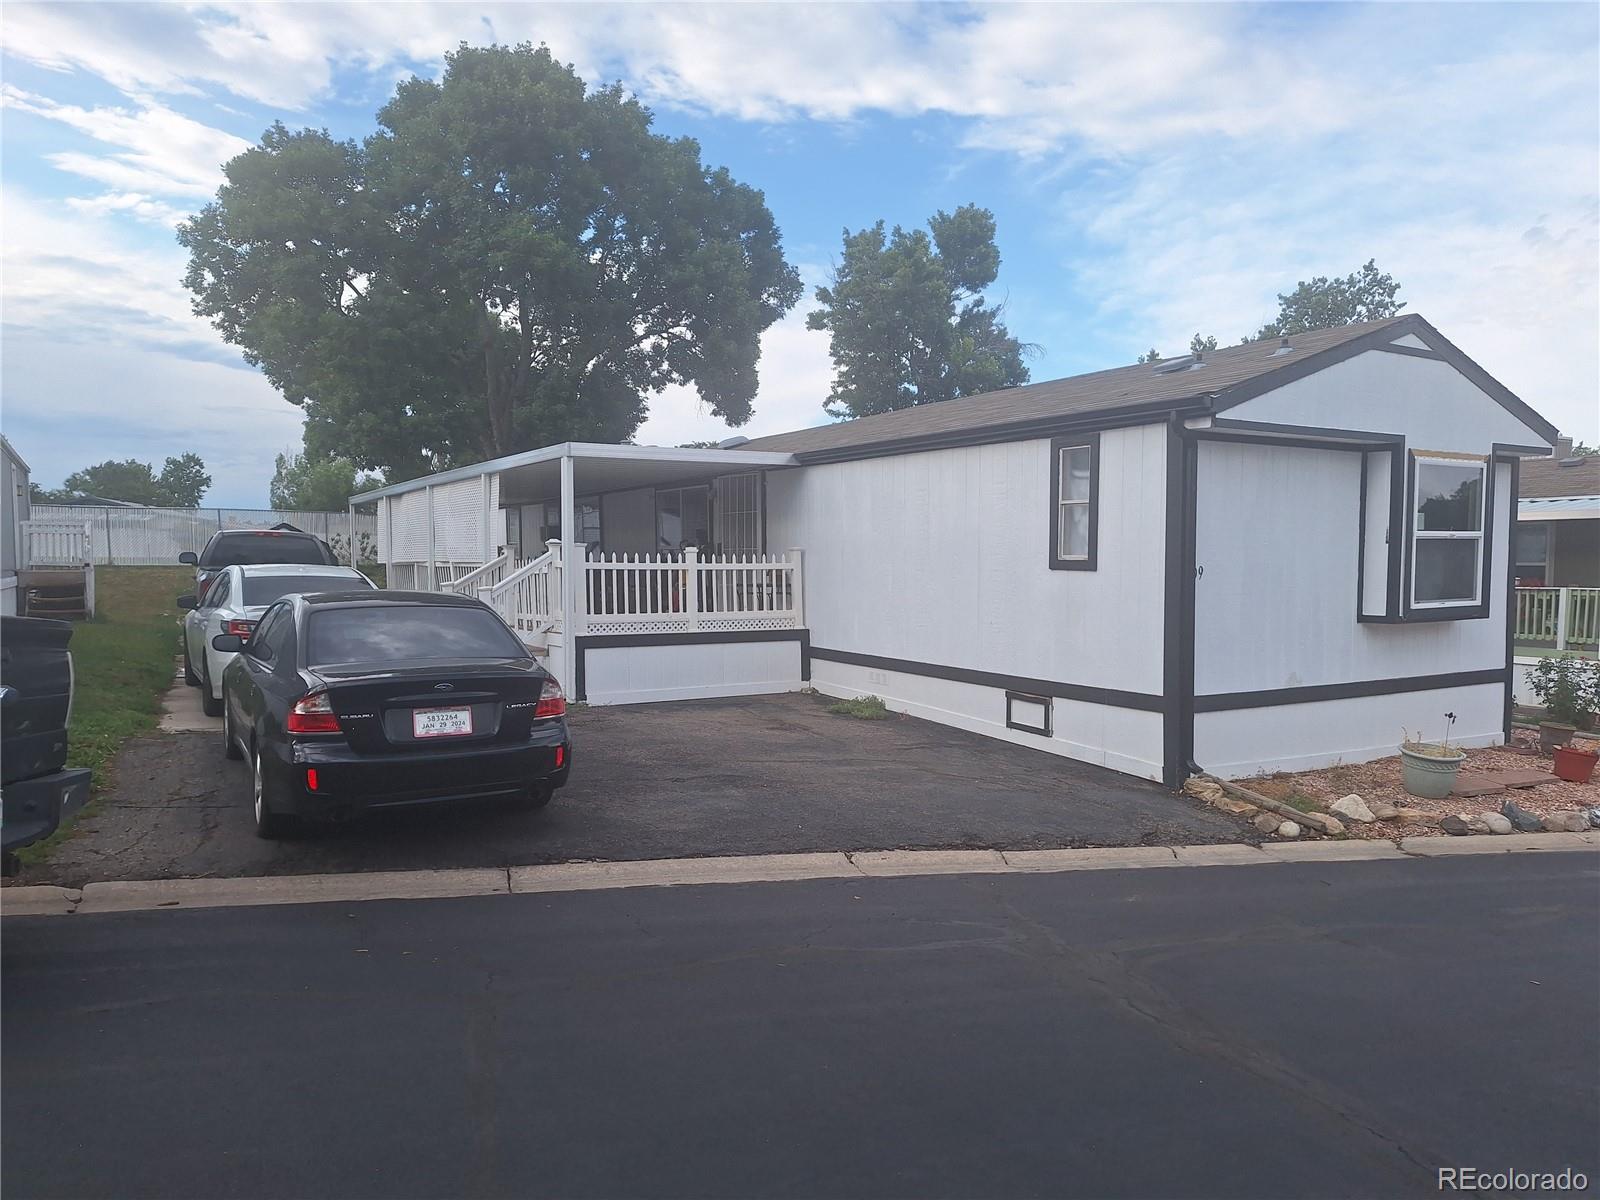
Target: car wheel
point(230, 742)
point(209, 704)
point(189, 677)
point(537, 796)
point(269, 824)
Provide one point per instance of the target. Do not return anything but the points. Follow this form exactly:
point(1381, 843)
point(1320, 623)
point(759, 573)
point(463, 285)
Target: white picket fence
point(55, 543)
point(1558, 618)
point(154, 537)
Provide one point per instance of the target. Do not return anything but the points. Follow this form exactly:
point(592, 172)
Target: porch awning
point(1558, 508)
point(597, 467)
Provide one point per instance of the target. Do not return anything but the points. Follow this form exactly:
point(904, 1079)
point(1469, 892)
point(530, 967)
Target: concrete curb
point(760, 868)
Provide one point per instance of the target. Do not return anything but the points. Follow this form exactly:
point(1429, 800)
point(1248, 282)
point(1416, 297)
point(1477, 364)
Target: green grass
point(863, 708)
point(122, 664)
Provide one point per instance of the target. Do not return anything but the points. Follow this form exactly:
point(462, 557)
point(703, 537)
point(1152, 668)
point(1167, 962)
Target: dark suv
point(255, 547)
point(37, 789)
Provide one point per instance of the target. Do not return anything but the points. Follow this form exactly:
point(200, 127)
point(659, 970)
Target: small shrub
point(1568, 687)
point(863, 708)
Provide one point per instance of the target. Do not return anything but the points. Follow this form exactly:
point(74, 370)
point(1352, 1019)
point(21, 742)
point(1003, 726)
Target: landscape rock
point(1495, 822)
point(1239, 808)
point(1289, 830)
point(1476, 824)
point(1594, 816)
point(1353, 808)
point(1383, 810)
point(1521, 819)
point(1455, 825)
point(1203, 789)
point(1409, 816)
point(1268, 822)
point(1567, 822)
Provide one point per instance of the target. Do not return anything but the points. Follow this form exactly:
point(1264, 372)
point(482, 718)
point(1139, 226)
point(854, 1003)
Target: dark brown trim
point(1178, 605)
point(1510, 455)
point(1057, 445)
point(1273, 698)
point(1049, 708)
point(610, 641)
point(1414, 352)
point(1017, 431)
point(1319, 435)
point(1361, 542)
point(1110, 697)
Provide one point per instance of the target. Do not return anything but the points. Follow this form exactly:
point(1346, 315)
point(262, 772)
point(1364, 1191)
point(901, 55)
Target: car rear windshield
point(258, 549)
point(377, 634)
point(264, 589)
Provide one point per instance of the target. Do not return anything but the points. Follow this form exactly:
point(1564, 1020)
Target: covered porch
point(637, 573)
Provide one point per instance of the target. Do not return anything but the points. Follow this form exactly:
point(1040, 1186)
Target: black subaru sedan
point(343, 702)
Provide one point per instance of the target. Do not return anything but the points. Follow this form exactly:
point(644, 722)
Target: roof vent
point(1283, 346)
point(1176, 365)
point(729, 443)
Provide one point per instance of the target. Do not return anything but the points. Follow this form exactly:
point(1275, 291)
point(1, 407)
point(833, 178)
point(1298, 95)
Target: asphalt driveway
point(752, 775)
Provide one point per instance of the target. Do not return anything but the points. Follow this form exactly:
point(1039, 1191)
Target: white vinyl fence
point(154, 537)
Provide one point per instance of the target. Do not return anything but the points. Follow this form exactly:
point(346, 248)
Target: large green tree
point(511, 260)
point(906, 320)
point(316, 484)
point(1322, 303)
point(180, 484)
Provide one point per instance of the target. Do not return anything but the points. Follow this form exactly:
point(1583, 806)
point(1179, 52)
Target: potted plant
point(1568, 688)
point(1574, 765)
point(1428, 769)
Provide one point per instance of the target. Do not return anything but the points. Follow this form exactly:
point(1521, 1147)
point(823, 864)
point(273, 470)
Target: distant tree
point(183, 480)
point(511, 260)
point(1151, 355)
point(1322, 303)
point(1583, 450)
point(906, 320)
point(181, 483)
point(316, 484)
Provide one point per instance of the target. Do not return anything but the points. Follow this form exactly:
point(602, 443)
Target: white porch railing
point(491, 573)
point(689, 593)
point(529, 598)
point(56, 543)
point(1559, 618)
point(428, 577)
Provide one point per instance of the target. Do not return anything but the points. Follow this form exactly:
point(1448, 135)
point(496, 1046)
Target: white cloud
point(157, 150)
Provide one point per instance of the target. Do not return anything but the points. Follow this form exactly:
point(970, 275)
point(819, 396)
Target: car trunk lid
point(389, 707)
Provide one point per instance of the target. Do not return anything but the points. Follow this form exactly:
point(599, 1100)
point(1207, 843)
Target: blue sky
point(1154, 170)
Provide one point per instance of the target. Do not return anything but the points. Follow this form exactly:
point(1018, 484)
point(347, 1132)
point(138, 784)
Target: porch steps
point(61, 594)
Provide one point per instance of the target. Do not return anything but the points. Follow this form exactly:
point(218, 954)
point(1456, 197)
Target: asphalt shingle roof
point(1098, 392)
point(1558, 477)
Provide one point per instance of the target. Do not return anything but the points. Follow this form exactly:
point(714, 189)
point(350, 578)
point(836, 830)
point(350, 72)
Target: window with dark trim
point(1449, 520)
point(1074, 502)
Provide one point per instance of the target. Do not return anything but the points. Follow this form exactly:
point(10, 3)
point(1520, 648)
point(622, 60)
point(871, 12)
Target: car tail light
point(312, 714)
point(552, 701)
point(238, 628)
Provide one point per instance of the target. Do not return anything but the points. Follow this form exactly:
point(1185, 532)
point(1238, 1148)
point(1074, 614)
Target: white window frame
point(1480, 535)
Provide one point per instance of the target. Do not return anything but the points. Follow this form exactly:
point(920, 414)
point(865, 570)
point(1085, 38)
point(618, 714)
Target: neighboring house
point(14, 496)
point(1558, 520)
point(1277, 555)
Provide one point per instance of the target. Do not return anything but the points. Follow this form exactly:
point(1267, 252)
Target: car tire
point(189, 677)
point(536, 797)
point(230, 743)
point(209, 704)
point(269, 825)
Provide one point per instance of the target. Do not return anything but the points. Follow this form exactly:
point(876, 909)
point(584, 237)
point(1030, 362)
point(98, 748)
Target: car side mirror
point(227, 643)
point(188, 602)
point(189, 558)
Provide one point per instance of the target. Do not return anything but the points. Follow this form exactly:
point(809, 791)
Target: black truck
point(37, 792)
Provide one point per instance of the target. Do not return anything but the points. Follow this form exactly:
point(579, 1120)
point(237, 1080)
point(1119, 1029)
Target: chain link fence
point(154, 537)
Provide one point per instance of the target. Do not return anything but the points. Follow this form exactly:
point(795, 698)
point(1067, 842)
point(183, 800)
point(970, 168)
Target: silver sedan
point(232, 602)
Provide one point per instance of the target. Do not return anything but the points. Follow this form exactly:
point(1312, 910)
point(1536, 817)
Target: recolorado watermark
point(1475, 1179)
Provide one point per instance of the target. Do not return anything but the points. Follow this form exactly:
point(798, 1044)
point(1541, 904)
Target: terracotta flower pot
point(1575, 766)
point(1553, 734)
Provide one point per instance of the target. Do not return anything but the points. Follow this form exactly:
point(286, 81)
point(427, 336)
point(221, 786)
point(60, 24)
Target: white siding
point(690, 671)
point(942, 557)
point(408, 526)
point(1375, 547)
point(1305, 737)
point(1275, 604)
point(1124, 739)
point(1429, 401)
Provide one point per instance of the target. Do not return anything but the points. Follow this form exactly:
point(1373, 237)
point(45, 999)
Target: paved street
point(1319, 1030)
point(753, 775)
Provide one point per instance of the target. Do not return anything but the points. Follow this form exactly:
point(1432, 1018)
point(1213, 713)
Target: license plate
point(440, 722)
